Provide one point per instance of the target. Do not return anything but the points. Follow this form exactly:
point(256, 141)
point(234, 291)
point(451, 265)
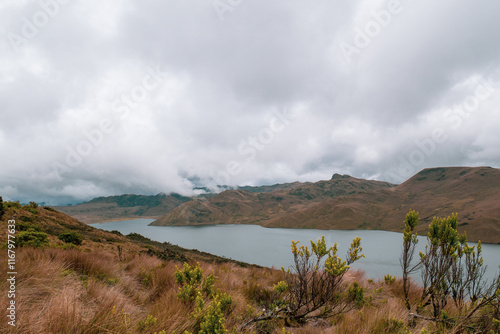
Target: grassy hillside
point(105, 282)
point(345, 202)
point(244, 207)
point(473, 193)
point(103, 209)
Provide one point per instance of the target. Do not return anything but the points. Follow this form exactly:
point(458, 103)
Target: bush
point(210, 305)
point(451, 270)
point(32, 238)
point(315, 287)
point(192, 281)
point(27, 219)
point(31, 209)
point(71, 237)
point(14, 205)
point(2, 209)
point(27, 225)
point(389, 279)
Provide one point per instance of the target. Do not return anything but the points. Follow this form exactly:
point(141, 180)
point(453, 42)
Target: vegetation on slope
point(348, 203)
point(73, 278)
point(244, 207)
point(103, 209)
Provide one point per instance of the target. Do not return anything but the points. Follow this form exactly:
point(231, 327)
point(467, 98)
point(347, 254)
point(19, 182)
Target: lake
point(270, 247)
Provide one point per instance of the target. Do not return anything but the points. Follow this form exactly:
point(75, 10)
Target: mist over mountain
point(345, 202)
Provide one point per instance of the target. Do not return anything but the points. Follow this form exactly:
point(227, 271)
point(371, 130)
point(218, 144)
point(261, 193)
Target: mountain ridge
point(120, 207)
point(344, 202)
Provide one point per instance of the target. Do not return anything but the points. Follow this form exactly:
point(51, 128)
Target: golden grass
point(73, 291)
point(91, 289)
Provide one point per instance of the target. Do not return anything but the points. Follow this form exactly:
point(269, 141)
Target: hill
point(345, 202)
point(68, 277)
point(245, 207)
point(103, 209)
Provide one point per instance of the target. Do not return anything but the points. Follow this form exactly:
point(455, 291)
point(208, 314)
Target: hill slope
point(104, 209)
point(112, 283)
point(348, 203)
point(244, 207)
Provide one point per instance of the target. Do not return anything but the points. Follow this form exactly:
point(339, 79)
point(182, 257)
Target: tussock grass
point(74, 291)
point(109, 286)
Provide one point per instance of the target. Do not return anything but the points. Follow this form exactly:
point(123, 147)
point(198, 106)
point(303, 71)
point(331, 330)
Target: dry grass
point(91, 289)
point(73, 291)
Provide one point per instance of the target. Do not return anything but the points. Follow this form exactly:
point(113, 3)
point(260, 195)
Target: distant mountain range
point(103, 209)
point(346, 202)
point(343, 202)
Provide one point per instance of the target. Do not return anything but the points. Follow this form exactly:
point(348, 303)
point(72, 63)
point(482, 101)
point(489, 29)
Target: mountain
point(345, 202)
point(64, 276)
point(102, 209)
point(246, 207)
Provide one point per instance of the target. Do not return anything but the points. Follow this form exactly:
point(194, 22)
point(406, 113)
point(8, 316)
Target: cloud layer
point(110, 97)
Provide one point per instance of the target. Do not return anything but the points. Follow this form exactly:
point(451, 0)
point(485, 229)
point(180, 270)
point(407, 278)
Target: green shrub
point(210, 306)
point(150, 321)
point(390, 325)
point(192, 281)
point(26, 224)
point(356, 294)
point(32, 238)
point(389, 279)
point(30, 209)
point(14, 205)
point(211, 317)
point(49, 208)
point(2, 209)
point(71, 237)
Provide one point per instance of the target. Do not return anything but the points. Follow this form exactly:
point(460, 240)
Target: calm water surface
point(271, 246)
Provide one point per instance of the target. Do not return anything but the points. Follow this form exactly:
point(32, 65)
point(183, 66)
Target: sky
point(109, 97)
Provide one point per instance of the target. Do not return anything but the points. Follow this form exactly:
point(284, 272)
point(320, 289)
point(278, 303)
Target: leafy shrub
point(150, 321)
point(2, 209)
point(192, 282)
point(27, 219)
point(390, 326)
point(71, 237)
point(315, 287)
point(31, 209)
point(389, 279)
point(356, 294)
point(212, 317)
point(14, 205)
point(27, 225)
point(451, 270)
point(49, 208)
point(32, 238)
point(210, 305)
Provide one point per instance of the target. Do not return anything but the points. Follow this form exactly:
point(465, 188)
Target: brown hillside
point(348, 203)
point(128, 284)
point(104, 209)
point(243, 207)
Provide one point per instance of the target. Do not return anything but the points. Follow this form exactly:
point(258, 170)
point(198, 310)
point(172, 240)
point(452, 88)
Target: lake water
point(270, 247)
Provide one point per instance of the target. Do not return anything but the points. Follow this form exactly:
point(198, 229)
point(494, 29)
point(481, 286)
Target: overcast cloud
point(110, 97)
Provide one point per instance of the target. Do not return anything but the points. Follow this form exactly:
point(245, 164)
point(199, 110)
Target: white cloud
point(224, 82)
